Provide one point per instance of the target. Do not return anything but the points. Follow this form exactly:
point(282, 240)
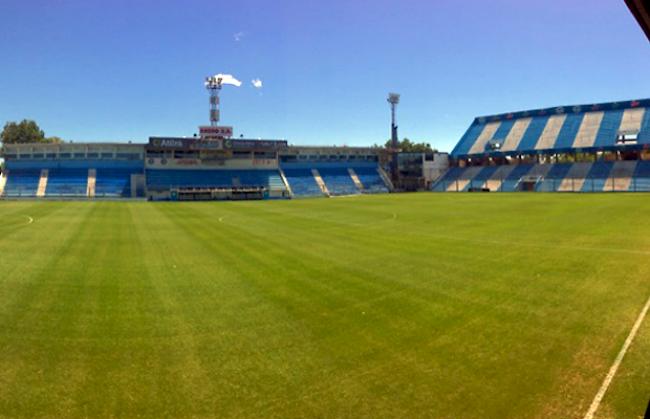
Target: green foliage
point(25, 131)
point(408, 146)
point(53, 140)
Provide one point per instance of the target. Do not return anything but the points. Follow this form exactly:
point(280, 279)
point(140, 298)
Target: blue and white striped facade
point(585, 128)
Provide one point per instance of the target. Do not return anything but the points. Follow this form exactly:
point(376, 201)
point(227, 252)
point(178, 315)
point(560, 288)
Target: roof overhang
point(641, 11)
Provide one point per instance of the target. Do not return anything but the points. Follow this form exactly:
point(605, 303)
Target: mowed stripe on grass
point(413, 305)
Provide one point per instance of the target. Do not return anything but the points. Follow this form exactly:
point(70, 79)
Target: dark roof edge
point(558, 110)
point(641, 13)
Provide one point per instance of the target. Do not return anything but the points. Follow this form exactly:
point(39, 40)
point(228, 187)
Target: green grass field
point(402, 306)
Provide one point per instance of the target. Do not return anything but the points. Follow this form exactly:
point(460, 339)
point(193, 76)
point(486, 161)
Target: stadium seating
point(275, 181)
point(67, 182)
point(608, 127)
point(620, 177)
point(515, 135)
point(22, 182)
point(601, 176)
point(511, 182)
point(569, 131)
point(553, 177)
point(586, 127)
point(450, 176)
point(597, 176)
point(114, 182)
point(575, 177)
point(644, 133)
point(371, 180)
point(549, 135)
point(539, 171)
point(480, 178)
point(533, 133)
point(495, 181)
point(641, 181)
point(338, 181)
point(302, 182)
point(462, 182)
point(588, 131)
point(495, 178)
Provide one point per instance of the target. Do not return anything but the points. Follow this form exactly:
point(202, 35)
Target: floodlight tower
point(393, 99)
point(214, 84)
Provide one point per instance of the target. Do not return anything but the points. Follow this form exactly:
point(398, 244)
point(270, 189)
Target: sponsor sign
point(216, 144)
point(255, 144)
point(185, 143)
point(169, 142)
point(215, 132)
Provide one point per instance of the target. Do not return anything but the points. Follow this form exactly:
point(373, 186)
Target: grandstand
point(169, 168)
point(587, 148)
point(72, 170)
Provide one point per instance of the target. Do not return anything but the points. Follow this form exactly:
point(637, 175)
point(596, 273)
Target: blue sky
point(124, 70)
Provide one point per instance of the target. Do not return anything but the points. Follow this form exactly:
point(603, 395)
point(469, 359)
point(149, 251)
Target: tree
point(53, 140)
point(407, 146)
point(25, 131)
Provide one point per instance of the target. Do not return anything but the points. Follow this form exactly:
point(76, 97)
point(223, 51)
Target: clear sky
point(91, 70)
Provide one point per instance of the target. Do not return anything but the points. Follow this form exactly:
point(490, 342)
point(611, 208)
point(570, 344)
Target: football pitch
point(400, 306)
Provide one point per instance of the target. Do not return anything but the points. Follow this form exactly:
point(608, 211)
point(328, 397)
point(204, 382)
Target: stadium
point(332, 281)
point(189, 169)
point(586, 148)
point(213, 166)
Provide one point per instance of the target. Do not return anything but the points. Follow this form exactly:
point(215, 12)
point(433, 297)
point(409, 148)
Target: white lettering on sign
point(171, 143)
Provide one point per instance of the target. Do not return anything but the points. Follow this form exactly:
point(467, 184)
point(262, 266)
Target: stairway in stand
point(42, 183)
point(92, 180)
point(320, 182)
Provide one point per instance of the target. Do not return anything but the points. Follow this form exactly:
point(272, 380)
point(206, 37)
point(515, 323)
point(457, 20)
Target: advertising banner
point(215, 132)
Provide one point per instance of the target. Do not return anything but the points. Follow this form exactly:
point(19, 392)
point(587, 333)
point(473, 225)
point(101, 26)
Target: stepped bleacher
point(511, 182)
point(447, 179)
point(22, 182)
point(335, 175)
point(597, 176)
point(526, 150)
point(114, 182)
point(621, 176)
point(642, 176)
point(370, 179)
point(302, 182)
point(586, 127)
point(67, 183)
point(603, 176)
point(338, 181)
point(464, 181)
point(481, 177)
point(202, 167)
point(553, 178)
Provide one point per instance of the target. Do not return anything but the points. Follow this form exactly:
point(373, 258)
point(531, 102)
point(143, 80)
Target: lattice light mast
point(214, 84)
point(393, 99)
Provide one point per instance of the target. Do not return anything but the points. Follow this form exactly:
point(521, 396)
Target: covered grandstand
point(169, 168)
point(586, 148)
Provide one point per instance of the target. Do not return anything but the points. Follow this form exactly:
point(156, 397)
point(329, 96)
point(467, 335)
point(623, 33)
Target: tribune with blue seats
point(583, 148)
